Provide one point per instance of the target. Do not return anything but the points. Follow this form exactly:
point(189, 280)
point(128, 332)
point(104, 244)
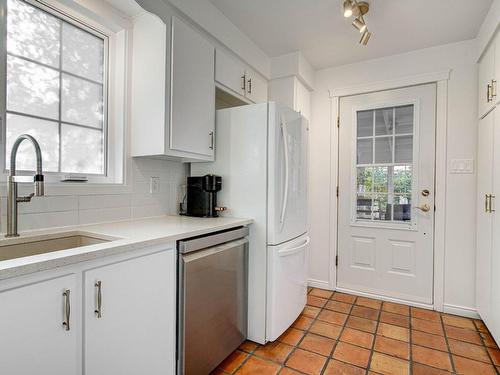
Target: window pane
point(82, 102)
point(404, 149)
point(32, 33)
point(383, 121)
point(32, 88)
point(383, 150)
point(45, 132)
point(364, 207)
point(365, 123)
point(81, 150)
point(365, 180)
point(404, 120)
point(381, 181)
point(402, 207)
point(365, 151)
point(83, 53)
point(381, 210)
point(402, 179)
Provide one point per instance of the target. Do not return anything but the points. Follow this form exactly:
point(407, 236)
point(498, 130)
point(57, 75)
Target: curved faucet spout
point(15, 147)
point(13, 198)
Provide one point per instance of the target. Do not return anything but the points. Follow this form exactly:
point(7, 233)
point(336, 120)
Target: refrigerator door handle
point(285, 148)
point(293, 250)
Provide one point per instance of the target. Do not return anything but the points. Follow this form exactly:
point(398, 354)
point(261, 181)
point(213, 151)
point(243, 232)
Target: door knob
point(425, 193)
point(424, 208)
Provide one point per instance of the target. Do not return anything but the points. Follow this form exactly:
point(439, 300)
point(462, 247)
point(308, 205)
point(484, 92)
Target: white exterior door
point(287, 187)
point(386, 193)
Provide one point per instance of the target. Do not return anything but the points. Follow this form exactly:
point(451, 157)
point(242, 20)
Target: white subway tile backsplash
point(86, 202)
point(102, 215)
point(58, 209)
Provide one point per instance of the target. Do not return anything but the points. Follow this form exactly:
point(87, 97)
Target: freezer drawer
point(286, 284)
point(212, 305)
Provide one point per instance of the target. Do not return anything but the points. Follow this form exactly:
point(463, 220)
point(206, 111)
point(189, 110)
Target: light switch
point(461, 166)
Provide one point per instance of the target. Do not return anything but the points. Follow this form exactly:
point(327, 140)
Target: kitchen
point(303, 201)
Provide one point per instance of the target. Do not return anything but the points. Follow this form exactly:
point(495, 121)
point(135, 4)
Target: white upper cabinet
point(173, 91)
point(489, 74)
point(230, 73)
point(192, 121)
point(239, 79)
point(291, 92)
point(33, 338)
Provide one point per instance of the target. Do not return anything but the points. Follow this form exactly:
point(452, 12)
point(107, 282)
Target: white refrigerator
point(262, 156)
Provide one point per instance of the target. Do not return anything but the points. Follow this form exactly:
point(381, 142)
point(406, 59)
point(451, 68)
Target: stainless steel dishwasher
point(212, 299)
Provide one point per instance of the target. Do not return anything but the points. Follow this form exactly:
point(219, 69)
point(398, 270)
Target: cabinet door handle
point(211, 140)
point(98, 310)
point(244, 83)
point(493, 89)
point(486, 203)
point(250, 86)
point(488, 93)
point(67, 309)
point(492, 210)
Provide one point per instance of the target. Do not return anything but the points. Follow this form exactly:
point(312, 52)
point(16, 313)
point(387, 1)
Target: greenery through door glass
point(384, 164)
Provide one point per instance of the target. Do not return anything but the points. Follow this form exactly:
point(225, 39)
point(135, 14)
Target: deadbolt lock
point(426, 193)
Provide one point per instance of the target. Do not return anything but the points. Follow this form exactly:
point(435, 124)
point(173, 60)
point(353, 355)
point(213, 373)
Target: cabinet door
point(302, 100)
point(230, 73)
point(494, 265)
point(486, 75)
point(149, 86)
point(496, 75)
point(256, 88)
point(135, 331)
point(192, 91)
point(484, 218)
point(33, 339)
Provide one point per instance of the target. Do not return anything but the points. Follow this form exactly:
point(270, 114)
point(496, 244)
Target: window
point(384, 164)
point(56, 90)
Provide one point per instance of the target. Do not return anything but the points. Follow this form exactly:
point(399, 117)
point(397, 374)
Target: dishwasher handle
point(211, 240)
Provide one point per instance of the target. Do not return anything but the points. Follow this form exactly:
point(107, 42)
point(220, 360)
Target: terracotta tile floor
point(341, 334)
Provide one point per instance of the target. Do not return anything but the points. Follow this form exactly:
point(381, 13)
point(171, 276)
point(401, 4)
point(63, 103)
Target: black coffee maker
point(202, 196)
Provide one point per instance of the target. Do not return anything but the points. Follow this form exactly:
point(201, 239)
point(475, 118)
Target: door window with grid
point(56, 90)
point(384, 164)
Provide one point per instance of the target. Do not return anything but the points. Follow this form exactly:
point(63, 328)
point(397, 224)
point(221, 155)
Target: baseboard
point(461, 310)
point(321, 284)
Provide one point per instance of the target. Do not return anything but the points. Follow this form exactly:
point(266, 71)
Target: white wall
point(462, 122)
point(85, 206)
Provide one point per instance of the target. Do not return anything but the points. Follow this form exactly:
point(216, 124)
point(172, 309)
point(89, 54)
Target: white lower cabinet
point(33, 339)
point(129, 317)
point(57, 322)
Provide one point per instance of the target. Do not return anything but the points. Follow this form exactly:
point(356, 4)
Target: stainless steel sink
point(24, 247)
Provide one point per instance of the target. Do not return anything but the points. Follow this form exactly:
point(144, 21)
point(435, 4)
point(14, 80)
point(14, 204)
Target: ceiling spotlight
point(348, 8)
point(359, 24)
point(365, 37)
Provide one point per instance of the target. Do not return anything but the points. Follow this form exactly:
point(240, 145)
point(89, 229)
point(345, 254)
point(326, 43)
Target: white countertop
point(130, 235)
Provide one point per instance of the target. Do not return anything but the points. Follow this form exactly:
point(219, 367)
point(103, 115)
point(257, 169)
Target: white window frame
point(116, 29)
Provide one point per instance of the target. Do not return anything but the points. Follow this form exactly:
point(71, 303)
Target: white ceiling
point(319, 30)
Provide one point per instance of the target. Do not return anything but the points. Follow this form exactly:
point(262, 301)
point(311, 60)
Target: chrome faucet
point(13, 199)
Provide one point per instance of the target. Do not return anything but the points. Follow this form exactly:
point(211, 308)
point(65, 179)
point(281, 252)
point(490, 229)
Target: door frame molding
point(440, 78)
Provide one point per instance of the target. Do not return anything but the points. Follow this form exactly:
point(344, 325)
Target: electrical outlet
point(154, 185)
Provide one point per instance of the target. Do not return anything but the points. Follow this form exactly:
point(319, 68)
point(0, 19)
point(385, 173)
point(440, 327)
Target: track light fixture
point(365, 38)
point(358, 10)
point(348, 8)
point(359, 24)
